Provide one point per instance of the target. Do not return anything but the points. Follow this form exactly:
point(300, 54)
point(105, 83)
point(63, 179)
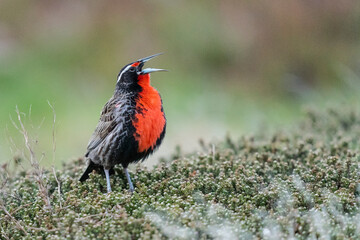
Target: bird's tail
point(91, 167)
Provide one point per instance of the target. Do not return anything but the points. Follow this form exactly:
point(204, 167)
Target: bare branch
point(59, 186)
point(26, 136)
point(53, 131)
point(18, 225)
point(44, 229)
point(4, 235)
point(38, 173)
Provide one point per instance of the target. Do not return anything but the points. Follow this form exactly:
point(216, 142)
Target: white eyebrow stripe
point(127, 68)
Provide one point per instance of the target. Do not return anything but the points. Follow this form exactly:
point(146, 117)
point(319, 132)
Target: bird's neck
point(146, 88)
point(141, 87)
point(148, 94)
point(144, 81)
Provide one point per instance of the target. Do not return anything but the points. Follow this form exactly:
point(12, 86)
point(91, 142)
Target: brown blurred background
point(236, 67)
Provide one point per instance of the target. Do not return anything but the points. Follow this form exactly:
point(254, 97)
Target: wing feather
point(109, 119)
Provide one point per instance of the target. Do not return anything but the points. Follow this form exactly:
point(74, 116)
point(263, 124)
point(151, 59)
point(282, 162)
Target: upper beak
point(148, 70)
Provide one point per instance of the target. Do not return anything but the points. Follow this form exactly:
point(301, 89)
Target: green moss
point(303, 183)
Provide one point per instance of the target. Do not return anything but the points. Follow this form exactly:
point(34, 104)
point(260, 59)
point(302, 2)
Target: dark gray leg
point(107, 180)
point(129, 180)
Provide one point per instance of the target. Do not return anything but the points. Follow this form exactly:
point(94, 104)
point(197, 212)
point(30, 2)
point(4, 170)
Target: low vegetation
point(303, 183)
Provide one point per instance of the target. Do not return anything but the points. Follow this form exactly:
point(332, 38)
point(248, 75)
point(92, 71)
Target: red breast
point(149, 118)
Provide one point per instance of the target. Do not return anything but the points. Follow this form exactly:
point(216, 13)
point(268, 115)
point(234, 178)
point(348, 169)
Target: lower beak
point(150, 70)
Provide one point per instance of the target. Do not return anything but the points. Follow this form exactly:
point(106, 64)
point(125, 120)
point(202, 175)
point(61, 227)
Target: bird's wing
point(108, 121)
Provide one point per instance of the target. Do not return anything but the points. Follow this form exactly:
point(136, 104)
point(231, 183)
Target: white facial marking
point(125, 69)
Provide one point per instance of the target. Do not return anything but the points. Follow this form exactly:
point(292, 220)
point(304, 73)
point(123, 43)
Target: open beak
point(150, 70)
point(142, 61)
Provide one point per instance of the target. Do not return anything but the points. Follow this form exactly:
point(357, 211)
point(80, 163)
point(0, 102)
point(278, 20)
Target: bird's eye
point(132, 69)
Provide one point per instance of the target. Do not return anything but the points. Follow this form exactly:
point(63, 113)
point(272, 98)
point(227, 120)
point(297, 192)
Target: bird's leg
point(107, 174)
point(129, 180)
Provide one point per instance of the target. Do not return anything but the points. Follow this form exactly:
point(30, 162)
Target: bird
point(132, 123)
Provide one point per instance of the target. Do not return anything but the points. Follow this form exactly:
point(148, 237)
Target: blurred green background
point(235, 66)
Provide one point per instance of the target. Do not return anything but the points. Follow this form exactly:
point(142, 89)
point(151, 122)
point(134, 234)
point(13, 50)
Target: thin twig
point(34, 163)
point(59, 186)
point(30, 108)
point(26, 136)
point(54, 151)
point(53, 131)
point(21, 207)
point(5, 181)
point(13, 122)
point(213, 150)
point(4, 235)
point(43, 229)
point(42, 157)
point(18, 225)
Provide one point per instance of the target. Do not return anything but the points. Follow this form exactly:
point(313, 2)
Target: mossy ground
point(298, 184)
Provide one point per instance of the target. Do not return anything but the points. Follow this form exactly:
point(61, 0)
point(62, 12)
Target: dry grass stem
point(23, 131)
point(59, 186)
point(38, 173)
point(18, 225)
point(3, 234)
point(53, 131)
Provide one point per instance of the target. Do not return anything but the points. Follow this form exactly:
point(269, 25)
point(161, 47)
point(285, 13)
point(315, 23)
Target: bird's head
point(132, 73)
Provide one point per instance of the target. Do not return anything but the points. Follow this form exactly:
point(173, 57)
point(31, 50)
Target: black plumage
point(114, 140)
